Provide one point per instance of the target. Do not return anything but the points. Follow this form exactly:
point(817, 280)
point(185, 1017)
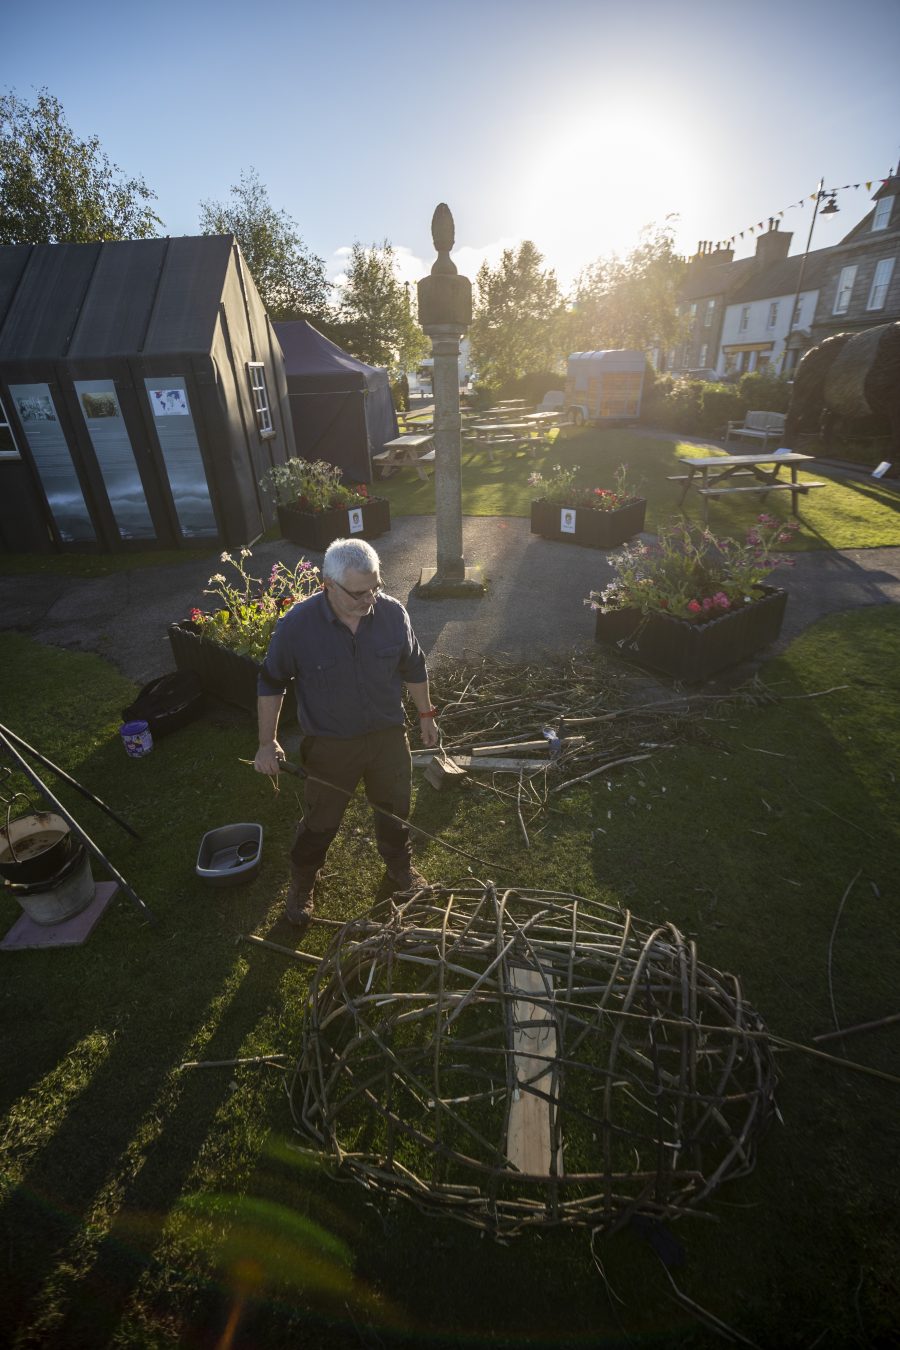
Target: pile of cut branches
point(560, 724)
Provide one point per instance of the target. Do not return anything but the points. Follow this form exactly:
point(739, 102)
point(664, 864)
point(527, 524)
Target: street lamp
point(830, 208)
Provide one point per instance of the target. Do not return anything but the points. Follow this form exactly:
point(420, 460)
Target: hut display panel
point(115, 456)
point(53, 460)
point(181, 454)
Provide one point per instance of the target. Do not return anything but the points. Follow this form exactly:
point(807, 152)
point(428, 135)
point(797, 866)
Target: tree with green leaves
point(58, 189)
point(630, 301)
point(290, 278)
point(517, 324)
point(377, 311)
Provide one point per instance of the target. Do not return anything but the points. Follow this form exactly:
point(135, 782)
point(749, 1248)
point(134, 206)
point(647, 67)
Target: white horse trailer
point(604, 386)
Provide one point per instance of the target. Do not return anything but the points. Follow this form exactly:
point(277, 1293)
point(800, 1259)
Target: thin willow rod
point(419, 1085)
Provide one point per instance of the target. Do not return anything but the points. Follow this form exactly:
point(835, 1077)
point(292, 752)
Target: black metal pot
point(36, 849)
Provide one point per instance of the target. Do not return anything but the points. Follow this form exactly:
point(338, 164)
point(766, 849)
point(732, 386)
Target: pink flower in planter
point(721, 599)
point(695, 607)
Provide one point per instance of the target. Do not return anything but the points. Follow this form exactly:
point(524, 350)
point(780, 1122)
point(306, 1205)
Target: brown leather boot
point(407, 877)
point(298, 904)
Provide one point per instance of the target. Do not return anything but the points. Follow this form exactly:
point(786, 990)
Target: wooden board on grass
point(529, 1137)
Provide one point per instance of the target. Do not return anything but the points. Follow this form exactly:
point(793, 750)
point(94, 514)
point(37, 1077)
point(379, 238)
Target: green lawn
point(145, 1205)
point(843, 515)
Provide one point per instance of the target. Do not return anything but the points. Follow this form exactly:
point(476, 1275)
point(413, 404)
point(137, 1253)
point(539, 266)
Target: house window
point(710, 311)
point(844, 289)
point(8, 447)
point(693, 311)
point(704, 353)
point(260, 398)
point(745, 319)
point(798, 310)
point(882, 216)
point(880, 283)
point(773, 314)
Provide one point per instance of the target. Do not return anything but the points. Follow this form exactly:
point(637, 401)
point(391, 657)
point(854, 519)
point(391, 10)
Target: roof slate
point(702, 281)
point(782, 277)
point(134, 297)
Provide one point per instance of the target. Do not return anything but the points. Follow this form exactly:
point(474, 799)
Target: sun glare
point(608, 174)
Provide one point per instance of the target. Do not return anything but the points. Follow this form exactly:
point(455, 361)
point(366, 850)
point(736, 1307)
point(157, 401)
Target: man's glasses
point(374, 591)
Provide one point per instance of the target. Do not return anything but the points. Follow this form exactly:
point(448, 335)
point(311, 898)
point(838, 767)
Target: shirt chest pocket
point(320, 676)
point(389, 656)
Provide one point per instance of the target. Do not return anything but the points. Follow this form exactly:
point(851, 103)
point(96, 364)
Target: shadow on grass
point(749, 845)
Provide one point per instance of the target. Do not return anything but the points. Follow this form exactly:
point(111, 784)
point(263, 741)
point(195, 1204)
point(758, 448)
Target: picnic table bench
point(756, 426)
point(712, 475)
point(495, 435)
point(405, 452)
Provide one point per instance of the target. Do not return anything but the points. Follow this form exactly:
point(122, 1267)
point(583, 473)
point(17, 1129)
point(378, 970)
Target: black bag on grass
point(167, 703)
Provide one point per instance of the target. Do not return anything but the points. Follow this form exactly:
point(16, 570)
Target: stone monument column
point(445, 312)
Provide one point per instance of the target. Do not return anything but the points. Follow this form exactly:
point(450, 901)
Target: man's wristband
point(429, 712)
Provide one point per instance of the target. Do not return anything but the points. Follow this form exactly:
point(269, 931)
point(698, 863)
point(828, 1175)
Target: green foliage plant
point(249, 607)
point(290, 278)
point(560, 488)
point(691, 574)
point(377, 311)
point(631, 301)
point(311, 485)
point(58, 189)
point(519, 320)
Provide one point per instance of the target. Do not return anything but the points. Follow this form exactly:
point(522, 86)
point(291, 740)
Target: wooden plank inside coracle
point(529, 1137)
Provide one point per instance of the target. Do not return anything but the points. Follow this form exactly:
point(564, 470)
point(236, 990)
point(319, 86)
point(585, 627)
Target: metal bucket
point(59, 897)
point(35, 847)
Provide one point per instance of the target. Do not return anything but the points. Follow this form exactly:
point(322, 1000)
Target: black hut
point(341, 407)
point(142, 396)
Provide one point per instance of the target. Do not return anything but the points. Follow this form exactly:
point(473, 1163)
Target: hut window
point(880, 283)
point(260, 398)
point(882, 215)
point(8, 447)
point(844, 289)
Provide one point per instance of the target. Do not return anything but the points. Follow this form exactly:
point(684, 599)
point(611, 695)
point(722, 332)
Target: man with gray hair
point(350, 649)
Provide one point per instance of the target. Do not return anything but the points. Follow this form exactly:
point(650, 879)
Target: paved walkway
point(533, 605)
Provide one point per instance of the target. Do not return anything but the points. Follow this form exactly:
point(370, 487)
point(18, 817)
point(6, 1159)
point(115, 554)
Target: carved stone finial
point(443, 235)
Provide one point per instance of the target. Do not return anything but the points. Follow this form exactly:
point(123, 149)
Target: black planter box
point(692, 652)
point(317, 529)
point(593, 529)
point(223, 673)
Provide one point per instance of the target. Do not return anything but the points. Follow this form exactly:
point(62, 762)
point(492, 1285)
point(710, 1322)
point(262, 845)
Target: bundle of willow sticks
point(559, 724)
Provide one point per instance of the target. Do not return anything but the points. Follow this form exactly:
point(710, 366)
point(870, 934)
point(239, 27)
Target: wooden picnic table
point(540, 418)
point(712, 476)
point(494, 434)
point(403, 452)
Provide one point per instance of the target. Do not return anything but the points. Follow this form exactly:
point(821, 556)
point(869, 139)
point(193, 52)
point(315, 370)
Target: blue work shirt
point(347, 684)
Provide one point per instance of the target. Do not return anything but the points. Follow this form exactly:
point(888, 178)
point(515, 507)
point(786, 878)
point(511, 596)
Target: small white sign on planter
point(567, 521)
point(355, 519)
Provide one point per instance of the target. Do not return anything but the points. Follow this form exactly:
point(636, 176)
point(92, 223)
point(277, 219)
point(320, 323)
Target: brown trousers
point(334, 768)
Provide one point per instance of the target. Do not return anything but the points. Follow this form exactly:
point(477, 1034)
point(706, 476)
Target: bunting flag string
point(825, 192)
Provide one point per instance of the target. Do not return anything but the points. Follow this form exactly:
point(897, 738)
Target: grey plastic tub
point(230, 855)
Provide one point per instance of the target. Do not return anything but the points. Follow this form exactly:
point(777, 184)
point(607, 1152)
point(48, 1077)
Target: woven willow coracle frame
point(521, 1058)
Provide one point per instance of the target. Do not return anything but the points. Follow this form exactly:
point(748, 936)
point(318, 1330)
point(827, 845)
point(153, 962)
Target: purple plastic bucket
point(136, 738)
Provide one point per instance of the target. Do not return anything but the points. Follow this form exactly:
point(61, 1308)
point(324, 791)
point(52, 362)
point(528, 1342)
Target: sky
point(573, 124)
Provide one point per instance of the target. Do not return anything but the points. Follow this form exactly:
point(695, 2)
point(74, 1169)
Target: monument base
point(433, 586)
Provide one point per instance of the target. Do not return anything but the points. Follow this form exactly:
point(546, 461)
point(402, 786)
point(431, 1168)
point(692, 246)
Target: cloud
point(469, 257)
point(409, 266)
